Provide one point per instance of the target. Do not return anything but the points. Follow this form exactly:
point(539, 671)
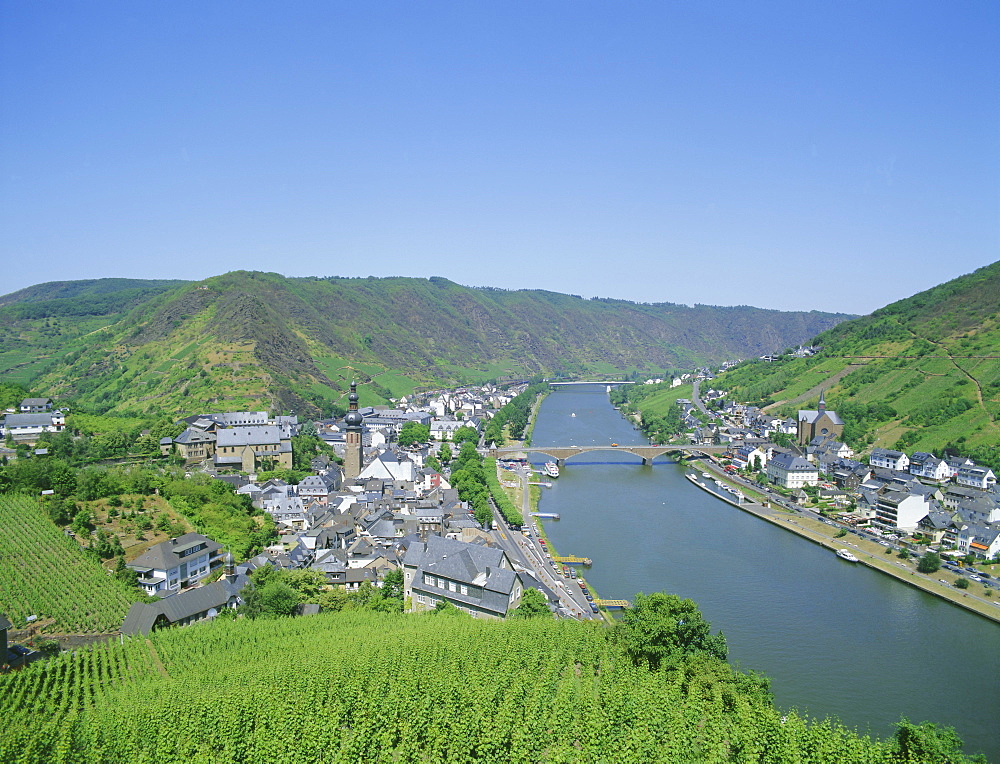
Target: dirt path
point(814, 391)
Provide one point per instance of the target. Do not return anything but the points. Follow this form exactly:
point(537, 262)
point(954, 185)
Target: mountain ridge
point(206, 341)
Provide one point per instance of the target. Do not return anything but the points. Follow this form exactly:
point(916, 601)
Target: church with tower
point(353, 420)
point(819, 423)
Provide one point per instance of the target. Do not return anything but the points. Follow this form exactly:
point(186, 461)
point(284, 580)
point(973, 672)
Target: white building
point(25, 428)
point(976, 477)
point(896, 509)
point(176, 563)
point(889, 460)
point(790, 471)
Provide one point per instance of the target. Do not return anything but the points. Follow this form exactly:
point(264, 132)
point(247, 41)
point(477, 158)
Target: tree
point(465, 434)
point(962, 583)
point(444, 453)
point(533, 605)
point(412, 433)
point(275, 598)
point(929, 563)
point(663, 627)
point(928, 743)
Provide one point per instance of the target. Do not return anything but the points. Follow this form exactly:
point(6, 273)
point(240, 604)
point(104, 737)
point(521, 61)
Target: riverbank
point(872, 558)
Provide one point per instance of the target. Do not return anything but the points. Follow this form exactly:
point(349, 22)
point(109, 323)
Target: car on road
point(942, 581)
point(977, 579)
point(593, 607)
point(885, 543)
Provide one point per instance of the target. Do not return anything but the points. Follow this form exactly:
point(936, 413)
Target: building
point(201, 604)
point(179, 562)
point(976, 477)
point(25, 428)
point(929, 467)
point(901, 510)
point(477, 579)
point(353, 424)
point(819, 423)
point(790, 471)
point(252, 448)
point(889, 460)
point(35, 405)
point(194, 444)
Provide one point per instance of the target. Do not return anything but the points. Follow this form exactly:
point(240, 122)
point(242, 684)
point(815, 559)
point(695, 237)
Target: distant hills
point(261, 340)
point(919, 374)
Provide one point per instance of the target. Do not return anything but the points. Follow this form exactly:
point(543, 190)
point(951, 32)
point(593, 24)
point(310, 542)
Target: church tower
point(353, 420)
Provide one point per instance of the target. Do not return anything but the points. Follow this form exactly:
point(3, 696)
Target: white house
point(925, 465)
point(790, 471)
point(176, 563)
point(890, 460)
point(25, 428)
point(979, 539)
point(976, 477)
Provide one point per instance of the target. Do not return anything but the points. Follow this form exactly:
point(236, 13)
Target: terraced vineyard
point(43, 572)
point(363, 686)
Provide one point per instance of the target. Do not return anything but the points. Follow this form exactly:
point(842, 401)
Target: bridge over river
point(561, 453)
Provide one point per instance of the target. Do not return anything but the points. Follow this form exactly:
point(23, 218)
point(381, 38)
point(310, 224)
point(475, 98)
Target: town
point(376, 504)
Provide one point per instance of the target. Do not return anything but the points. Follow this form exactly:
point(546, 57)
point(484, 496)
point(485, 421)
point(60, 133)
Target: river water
point(836, 639)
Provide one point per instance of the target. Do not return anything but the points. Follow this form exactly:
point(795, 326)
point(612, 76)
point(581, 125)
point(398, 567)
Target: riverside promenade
point(868, 553)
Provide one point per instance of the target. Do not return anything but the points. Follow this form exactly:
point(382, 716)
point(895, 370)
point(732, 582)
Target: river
point(836, 639)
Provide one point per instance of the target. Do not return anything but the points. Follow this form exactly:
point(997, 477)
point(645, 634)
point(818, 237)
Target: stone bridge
point(561, 453)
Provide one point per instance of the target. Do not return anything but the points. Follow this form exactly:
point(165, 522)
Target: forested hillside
point(370, 687)
point(920, 374)
point(250, 340)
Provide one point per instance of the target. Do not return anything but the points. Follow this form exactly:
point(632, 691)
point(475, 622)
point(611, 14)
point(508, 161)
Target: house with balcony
point(976, 477)
point(179, 562)
point(886, 459)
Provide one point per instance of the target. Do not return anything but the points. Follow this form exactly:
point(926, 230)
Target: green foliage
point(262, 337)
point(661, 628)
point(930, 562)
point(928, 743)
point(513, 415)
point(962, 583)
point(412, 433)
point(531, 690)
point(273, 599)
point(533, 605)
point(44, 572)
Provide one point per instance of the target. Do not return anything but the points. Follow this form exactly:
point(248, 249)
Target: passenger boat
point(843, 554)
point(552, 469)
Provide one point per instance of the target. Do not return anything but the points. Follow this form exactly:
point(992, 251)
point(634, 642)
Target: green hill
point(249, 340)
point(369, 687)
point(919, 374)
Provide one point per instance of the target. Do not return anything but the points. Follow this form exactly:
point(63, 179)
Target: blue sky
point(833, 156)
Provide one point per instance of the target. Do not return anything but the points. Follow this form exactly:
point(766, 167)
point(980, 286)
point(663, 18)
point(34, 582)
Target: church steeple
point(822, 402)
point(353, 420)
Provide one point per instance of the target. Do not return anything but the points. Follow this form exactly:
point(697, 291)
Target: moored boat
point(552, 469)
point(843, 554)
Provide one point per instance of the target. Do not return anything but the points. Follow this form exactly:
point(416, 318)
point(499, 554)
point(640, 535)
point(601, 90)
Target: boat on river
point(843, 554)
point(552, 469)
point(546, 515)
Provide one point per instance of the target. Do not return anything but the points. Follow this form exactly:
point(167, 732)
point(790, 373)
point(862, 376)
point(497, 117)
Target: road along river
point(836, 639)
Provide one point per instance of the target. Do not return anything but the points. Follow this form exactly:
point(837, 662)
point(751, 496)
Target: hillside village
point(398, 512)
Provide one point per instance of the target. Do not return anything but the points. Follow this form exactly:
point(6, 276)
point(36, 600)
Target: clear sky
point(796, 155)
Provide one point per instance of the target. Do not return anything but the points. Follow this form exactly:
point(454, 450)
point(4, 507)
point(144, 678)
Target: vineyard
point(362, 686)
point(44, 572)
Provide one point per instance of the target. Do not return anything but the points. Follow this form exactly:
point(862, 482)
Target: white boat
point(573, 414)
point(706, 475)
point(843, 554)
point(552, 469)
